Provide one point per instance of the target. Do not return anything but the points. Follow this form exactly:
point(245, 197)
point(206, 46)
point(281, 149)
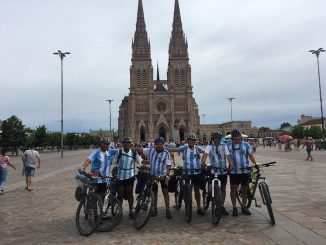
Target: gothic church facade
point(159, 107)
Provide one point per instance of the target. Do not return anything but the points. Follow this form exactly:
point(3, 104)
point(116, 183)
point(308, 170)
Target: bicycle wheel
point(188, 202)
point(112, 214)
point(144, 207)
point(239, 198)
point(267, 200)
point(178, 196)
point(89, 214)
point(217, 205)
point(206, 199)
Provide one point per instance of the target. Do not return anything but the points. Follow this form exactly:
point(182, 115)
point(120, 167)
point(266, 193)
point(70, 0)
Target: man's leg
point(130, 197)
point(167, 202)
point(155, 189)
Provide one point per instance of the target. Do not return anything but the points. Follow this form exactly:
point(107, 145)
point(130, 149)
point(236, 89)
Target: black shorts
point(126, 182)
point(198, 180)
point(237, 179)
point(223, 178)
point(155, 184)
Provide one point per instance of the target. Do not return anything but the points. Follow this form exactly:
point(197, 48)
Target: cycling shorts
point(237, 179)
point(223, 178)
point(155, 184)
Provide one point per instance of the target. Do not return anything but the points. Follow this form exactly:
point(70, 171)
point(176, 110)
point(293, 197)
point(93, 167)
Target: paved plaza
point(47, 214)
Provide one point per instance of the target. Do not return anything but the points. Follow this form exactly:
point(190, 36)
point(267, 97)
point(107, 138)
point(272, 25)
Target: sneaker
point(168, 214)
point(224, 211)
point(2, 192)
point(245, 211)
point(235, 212)
point(200, 211)
point(154, 212)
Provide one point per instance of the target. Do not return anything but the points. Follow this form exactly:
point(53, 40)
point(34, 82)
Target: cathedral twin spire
point(178, 47)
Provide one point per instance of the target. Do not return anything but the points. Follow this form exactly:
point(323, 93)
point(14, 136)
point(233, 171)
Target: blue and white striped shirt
point(240, 156)
point(126, 164)
point(191, 161)
point(101, 163)
point(157, 161)
point(217, 156)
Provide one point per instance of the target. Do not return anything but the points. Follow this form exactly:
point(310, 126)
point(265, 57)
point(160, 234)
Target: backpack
point(134, 153)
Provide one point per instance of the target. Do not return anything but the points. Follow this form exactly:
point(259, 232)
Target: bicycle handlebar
point(259, 166)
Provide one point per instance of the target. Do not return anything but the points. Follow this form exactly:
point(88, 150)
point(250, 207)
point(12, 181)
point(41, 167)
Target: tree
point(54, 140)
point(13, 133)
point(40, 136)
point(298, 132)
point(285, 125)
point(314, 132)
point(264, 129)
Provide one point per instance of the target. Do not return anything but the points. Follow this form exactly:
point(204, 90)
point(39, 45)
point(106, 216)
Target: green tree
point(298, 132)
point(285, 125)
point(40, 136)
point(53, 139)
point(13, 133)
point(314, 132)
point(264, 129)
point(72, 140)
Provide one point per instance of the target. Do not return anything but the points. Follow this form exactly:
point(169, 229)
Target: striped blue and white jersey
point(101, 163)
point(157, 161)
point(217, 156)
point(191, 161)
point(240, 156)
point(126, 164)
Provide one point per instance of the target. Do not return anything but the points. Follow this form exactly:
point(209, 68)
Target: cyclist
point(125, 159)
point(191, 157)
point(159, 162)
point(218, 153)
point(101, 161)
point(241, 152)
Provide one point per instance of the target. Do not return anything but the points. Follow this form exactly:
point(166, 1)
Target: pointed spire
point(178, 46)
point(141, 45)
point(158, 73)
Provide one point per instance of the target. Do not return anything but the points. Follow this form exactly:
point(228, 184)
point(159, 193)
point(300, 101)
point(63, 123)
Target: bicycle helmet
point(216, 135)
point(192, 137)
point(104, 140)
point(159, 140)
point(126, 140)
point(235, 133)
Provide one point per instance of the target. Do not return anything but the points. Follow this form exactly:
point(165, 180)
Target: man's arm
point(203, 158)
point(86, 163)
point(39, 162)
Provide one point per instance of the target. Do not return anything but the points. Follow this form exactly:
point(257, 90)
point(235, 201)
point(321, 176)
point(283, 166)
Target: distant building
point(308, 121)
point(270, 133)
point(245, 126)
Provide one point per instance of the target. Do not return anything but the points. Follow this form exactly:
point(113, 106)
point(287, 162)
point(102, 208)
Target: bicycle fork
point(214, 182)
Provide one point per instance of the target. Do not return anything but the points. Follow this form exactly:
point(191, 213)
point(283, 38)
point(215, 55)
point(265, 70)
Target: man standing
point(191, 164)
point(29, 159)
point(159, 163)
point(241, 152)
point(125, 159)
point(218, 153)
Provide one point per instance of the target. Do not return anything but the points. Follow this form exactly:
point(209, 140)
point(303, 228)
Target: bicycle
point(183, 192)
point(93, 213)
point(213, 195)
point(144, 201)
point(258, 180)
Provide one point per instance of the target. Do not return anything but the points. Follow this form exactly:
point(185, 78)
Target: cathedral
point(159, 107)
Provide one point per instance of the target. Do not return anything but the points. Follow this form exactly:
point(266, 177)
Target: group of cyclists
point(230, 158)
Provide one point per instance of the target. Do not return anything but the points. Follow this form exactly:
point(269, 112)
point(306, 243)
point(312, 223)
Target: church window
point(182, 78)
point(138, 79)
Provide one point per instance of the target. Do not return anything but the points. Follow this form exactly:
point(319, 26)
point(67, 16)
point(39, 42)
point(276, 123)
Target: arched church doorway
point(162, 132)
point(182, 134)
point(142, 135)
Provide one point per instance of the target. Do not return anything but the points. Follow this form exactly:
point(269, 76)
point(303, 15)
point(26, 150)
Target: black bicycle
point(92, 214)
point(212, 193)
point(258, 180)
point(183, 192)
point(145, 199)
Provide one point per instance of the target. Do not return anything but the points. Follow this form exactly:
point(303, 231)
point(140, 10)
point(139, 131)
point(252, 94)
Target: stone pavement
point(47, 214)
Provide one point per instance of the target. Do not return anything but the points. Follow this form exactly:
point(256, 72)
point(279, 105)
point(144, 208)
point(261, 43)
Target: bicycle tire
point(111, 215)
point(206, 199)
point(89, 214)
point(267, 200)
point(188, 202)
point(143, 209)
point(239, 198)
point(178, 196)
point(217, 205)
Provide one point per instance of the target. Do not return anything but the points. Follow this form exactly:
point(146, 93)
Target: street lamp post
point(109, 100)
point(317, 52)
point(61, 55)
point(230, 99)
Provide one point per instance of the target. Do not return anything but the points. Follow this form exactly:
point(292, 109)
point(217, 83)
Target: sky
point(253, 50)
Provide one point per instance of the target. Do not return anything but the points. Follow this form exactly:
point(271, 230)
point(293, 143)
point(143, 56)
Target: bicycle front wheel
point(217, 205)
point(112, 214)
point(188, 202)
point(89, 214)
point(144, 208)
point(267, 200)
point(206, 199)
point(178, 196)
